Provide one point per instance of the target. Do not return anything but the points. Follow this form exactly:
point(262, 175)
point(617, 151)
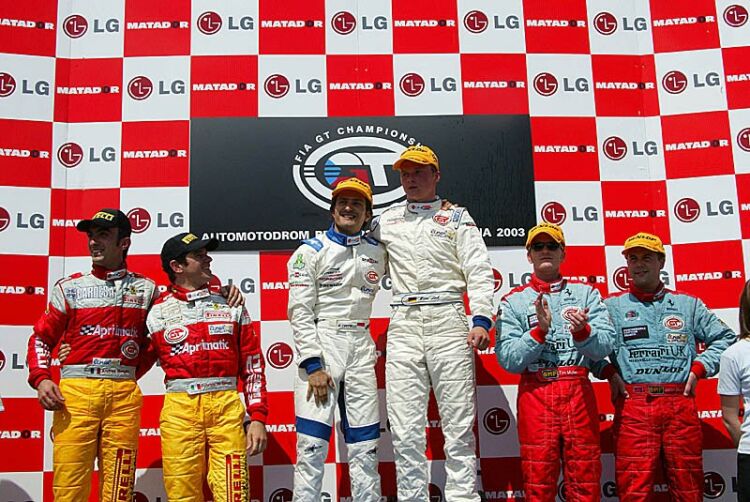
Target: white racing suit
point(435, 256)
point(332, 283)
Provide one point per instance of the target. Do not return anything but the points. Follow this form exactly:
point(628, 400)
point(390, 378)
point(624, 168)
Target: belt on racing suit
point(111, 371)
point(344, 324)
point(427, 298)
point(201, 385)
point(655, 389)
point(558, 373)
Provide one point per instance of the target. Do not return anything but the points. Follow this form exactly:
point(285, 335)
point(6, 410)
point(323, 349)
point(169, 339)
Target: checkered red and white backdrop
point(640, 117)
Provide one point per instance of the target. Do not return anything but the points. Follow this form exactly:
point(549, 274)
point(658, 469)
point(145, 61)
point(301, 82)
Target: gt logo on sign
point(75, 26)
point(277, 86)
point(412, 84)
point(476, 21)
point(140, 88)
point(140, 219)
point(674, 82)
point(615, 148)
point(687, 210)
point(735, 16)
point(605, 23)
point(7, 84)
point(496, 421)
point(545, 84)
point(743, 139)
point(70, 154)
point(343, 23)
point(554, 212)
point(209, 23)
point(279, 355)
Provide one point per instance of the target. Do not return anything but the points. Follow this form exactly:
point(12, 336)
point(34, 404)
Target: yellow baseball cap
point(645, 241)
point(550, 229)
point(355, 185)
point(420, 154)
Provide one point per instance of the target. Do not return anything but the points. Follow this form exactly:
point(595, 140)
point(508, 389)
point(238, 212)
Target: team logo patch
point(130, 349)
point(441, 219)
point(673, 322)
point(217, 315)
point(680, 338)
point(631, 315)
point(175, 335)
point(220, 329)
point(532, 319)
point(372, 277)
point(567, 312)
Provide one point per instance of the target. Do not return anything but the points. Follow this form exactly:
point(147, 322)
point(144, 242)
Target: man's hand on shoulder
point(233, 295)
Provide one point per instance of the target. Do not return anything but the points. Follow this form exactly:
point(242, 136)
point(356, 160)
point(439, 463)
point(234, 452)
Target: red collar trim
point(648, 297)
point(187, 295)
point(546, 287)
point(109, 275)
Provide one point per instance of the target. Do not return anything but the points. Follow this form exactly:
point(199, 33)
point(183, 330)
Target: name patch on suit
point(634, 333)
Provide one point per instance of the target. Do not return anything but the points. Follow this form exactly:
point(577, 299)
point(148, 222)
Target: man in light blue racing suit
point(332, 284)
point(654, 370)
point(551, 331)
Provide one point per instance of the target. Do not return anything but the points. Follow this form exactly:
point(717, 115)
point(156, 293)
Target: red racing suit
point(102, 315)
point(204, 347)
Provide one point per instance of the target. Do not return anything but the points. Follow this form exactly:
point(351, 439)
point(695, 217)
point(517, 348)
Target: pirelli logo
point(189, 238)
point(236, 474)
point(124, 476)
point(103, 216)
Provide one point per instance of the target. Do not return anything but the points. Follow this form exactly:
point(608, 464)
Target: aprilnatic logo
point(476, 21)
point(412, 84)
point(554, 212)
point(343, 22)
point(713, 485)
point(674, 82)
point(209, 23)
point(545, 84)
point(605, 23)
point(279, 355)
point(743, 139)
point(75, 26)
point(7, 84)
point(140, 88)
point(735, 16)
point(497, 280)
point(140, 219)
point(621, 279)
point(277, 86)
point(364, 151)
point(281, 495)
point(687, 210)
point(4, 219)
point(496, 421)
point(615, 148)
point(70, 154)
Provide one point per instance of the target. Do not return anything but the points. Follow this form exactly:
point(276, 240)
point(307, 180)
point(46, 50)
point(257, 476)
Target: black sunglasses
point(552, 246)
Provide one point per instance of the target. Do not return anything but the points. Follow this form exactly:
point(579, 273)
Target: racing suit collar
point(424, 207)
point(546, 287)
point(648, 297)
point(106, 274)
point(187, 295)
point(343, 239)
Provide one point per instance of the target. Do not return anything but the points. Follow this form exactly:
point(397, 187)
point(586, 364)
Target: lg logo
point(276, 86)
point(743, 139)
point(675, 82)
point(279, 355)
point(4, 219)
point(713, 485)
point(70, 154)
point(411, 84)
point(621, 279)
point(8, 86)
point(34, 220)
point(615, 148)
point(343, 23)
point(281, 495)
point(140, 88)
point(496, 421)
point(606, 23)
point(546, 84)
point(498, 280)
point(554, 212)
point(735, 16)
point(476, 21)
point(140, 220)
point(210, 23)
point(688, 210)
point(75, 26)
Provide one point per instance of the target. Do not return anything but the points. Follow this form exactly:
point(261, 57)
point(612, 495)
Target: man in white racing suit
point(332, 284)
point(435, 256)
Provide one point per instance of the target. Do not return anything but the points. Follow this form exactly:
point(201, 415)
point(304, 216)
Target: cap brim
point(85, 225)
point(399, 162)
point(357, 191)
point(647, 248)
point(208, 244)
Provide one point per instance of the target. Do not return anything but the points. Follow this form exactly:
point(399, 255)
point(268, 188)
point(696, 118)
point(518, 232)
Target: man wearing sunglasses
point(654, 371)
point(551, 331)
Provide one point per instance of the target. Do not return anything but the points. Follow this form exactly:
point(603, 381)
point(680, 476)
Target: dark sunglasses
point(552, 246)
